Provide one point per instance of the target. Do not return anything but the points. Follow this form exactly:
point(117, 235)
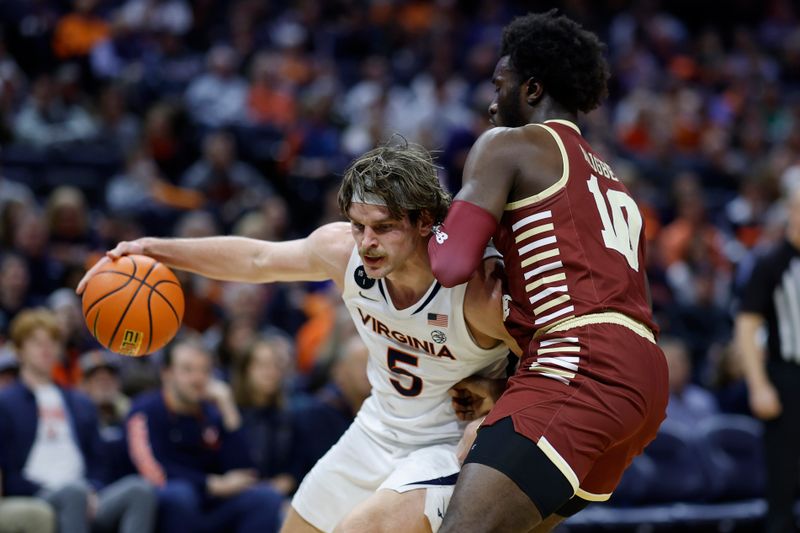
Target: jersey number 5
point(393, 357)
point(620, 232)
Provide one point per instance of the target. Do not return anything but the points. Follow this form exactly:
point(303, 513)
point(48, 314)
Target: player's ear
point(425, 223)
point(533, 90)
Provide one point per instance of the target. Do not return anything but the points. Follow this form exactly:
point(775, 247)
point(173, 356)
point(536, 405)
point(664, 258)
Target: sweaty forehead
point(368, 213)
point(502, 68)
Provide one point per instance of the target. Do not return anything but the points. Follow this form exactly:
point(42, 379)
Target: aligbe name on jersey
point(425, 346)
point(598, 165)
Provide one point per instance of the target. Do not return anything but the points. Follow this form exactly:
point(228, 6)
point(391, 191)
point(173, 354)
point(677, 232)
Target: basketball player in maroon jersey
point(591, 388)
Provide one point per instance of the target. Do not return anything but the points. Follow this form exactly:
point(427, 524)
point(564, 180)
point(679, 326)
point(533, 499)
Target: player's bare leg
point(295, 523)
point(476, 507)
point(388, 511)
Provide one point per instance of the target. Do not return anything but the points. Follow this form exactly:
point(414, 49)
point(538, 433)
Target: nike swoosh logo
point(367, 297)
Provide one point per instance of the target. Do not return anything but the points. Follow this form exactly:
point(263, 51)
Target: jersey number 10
point(620, 232)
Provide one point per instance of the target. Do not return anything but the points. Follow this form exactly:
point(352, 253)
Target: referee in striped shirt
point(771, 304)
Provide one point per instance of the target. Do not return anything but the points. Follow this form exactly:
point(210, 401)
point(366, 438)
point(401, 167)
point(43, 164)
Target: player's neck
point(408, 284)
point(549, 109)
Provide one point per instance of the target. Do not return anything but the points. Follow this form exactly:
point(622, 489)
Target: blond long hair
point(403, 176)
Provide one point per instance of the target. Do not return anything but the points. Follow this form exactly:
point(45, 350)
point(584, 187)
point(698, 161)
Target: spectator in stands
point(75, 336)
point(14, 192)
point(14, 288)
point(31, 236)
point(772, 370)
point(69, 225)
point(153, 16)
point(269, 101)
point(11, 87)
point(100, 381)
point(172, 68)
point(25, 515)
point(326, 416)
point(117, 126)
point(46, 121)
point(218, 98)
point(200, 294)
point(689, 404)
point(140, 191)
point(186, 440)
point(166, 139)
point(726, 379)
point(9, 368)
point(230, 185)
point(236, 336)
point(259, 382)
point(50, 442)
point(77, 32)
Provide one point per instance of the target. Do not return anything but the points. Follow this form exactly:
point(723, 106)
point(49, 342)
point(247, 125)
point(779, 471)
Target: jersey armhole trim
point(554, 188)
point(591, 497)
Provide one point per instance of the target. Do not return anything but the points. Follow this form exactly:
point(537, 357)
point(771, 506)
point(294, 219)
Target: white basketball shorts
point(360, 464)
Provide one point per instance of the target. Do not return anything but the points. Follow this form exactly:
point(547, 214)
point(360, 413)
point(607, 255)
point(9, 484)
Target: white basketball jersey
point(416, 355)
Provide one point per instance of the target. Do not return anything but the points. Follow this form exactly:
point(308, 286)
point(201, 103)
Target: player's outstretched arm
point(457, 247)
point(320, 256)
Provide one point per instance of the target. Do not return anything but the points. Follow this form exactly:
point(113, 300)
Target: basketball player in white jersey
point(395, 467)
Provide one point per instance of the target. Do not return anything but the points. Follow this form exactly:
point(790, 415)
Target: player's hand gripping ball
point(133, 305)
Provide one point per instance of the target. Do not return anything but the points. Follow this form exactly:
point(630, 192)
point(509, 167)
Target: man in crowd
point(186, 440)
point(51, 445)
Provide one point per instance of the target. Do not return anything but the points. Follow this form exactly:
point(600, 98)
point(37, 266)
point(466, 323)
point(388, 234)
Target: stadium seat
point(681, 466)
point(635, 485)
point(736, 455)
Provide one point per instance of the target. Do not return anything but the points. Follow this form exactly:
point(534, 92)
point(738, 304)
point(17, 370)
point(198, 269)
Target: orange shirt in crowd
point(76, 34)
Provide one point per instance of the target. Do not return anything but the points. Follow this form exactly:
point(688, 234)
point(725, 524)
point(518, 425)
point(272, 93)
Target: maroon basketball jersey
point(577, 248)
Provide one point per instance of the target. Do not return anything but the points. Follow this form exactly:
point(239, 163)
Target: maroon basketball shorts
point(590, 398)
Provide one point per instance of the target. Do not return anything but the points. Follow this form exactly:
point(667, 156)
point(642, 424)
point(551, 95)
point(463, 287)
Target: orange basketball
point(133, 305)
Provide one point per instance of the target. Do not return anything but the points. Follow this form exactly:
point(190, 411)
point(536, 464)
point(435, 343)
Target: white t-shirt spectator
point(55, 459)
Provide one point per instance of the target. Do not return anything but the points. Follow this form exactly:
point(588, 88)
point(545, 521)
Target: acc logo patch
point(438, 336)
point(362, 280)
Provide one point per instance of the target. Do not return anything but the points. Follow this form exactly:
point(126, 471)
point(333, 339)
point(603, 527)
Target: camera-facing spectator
point(230, 185)
point(259, 382)
point(328, 414)
point(101, 382)
point(30, 240)
point(46, 120)
point(186, 439)
point(218, 98)
point(689, 404)
point(51, 444)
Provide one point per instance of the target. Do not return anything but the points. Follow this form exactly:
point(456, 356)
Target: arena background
point(123, 118)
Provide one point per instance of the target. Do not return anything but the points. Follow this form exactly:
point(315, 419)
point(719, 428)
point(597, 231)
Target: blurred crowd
point(124, 118)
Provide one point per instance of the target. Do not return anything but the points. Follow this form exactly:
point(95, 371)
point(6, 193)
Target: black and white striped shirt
point(773, 291)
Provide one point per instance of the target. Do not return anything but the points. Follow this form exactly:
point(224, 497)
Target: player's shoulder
point(333, 245)
point(335, 233)
point(503, 141)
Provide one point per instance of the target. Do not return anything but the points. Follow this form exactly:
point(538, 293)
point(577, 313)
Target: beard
point(509, 110)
